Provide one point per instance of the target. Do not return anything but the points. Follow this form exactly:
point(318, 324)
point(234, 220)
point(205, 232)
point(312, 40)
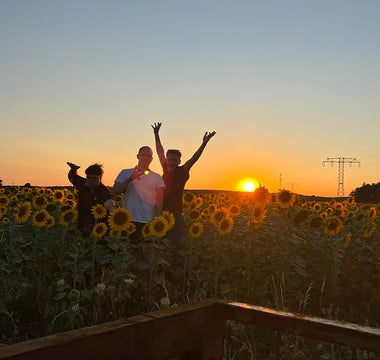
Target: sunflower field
point(274, 250)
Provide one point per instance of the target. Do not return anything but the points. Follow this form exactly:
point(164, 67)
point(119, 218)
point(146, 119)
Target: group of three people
point(145, 193)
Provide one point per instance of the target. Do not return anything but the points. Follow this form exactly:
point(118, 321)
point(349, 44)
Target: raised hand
point(156, 127)
point(136, 173)
point(73, 166)
point(207, 136)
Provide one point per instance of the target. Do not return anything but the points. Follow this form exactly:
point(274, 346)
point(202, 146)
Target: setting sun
point(247, 185)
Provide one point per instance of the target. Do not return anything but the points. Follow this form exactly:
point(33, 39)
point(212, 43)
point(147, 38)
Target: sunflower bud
point(73, 295)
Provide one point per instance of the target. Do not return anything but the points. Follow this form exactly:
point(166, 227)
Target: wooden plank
point(358, 336)
point(189, 329)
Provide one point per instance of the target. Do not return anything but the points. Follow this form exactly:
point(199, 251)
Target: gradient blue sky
point(284, 83)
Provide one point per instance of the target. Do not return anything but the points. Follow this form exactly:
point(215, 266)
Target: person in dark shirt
point(91, 192)
point(175, 178)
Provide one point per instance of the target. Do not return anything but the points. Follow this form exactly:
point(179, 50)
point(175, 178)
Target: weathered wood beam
point(358, 336)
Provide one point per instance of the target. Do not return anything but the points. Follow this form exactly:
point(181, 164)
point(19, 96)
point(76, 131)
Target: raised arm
point(159, 147)
point(206, 138)
point(72, 171)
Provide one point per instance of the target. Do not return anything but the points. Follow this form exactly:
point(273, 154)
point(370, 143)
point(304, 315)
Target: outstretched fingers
point(208, 135)
point(136, 173)
point(156, 127)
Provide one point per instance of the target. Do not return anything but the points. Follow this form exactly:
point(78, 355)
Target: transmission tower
point(341, 161)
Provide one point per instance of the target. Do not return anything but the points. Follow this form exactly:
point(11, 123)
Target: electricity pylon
point(341, 162)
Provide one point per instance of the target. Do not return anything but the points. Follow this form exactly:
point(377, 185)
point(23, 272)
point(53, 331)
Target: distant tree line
point(367, 193)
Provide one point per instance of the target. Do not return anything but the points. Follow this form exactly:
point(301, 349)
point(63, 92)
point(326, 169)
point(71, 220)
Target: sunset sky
point(284, 83)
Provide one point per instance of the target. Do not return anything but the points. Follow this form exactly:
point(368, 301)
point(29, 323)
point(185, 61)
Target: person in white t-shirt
point(143, 190)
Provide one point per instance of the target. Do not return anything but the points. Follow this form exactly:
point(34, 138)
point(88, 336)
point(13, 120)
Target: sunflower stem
point(152, 266)
point(93, 262)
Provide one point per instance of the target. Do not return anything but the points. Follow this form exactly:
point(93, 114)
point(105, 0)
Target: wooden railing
point(193, 331)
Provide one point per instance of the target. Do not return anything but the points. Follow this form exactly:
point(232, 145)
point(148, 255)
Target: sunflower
point(3, 211)
point(333, 226)
point(285, 198)
point(58, 195)
point(67, 216)
point(234, 210)
point(372, 212)
point(188, 198)
point(120, 218)
point(258, 213)
point(169, 218)
point(146, 230)
point(50, 221)
point(199, 201)
point(39, 201)
point(225, 226)
point(99, 211)
point(339, 205)
point(317, 207)
point(115, 233)
point(194, 214)
point(205, 213)
point(4, 201)
point(118, 198)
point(370, 228)
point(222, 195)
point(51, 207)
point(5, 221)
point(347, 240)
point(218, 215)
point(131, 228)
point(196, 230)
point(338, 212)
point(159, 226)
point(99, 230)
point(70, 203)
point(40, 218)
point(23, 212)
point(69, 195)
point(212, 208)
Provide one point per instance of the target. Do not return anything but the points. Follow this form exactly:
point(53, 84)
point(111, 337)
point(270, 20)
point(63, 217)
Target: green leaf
point(60, 296)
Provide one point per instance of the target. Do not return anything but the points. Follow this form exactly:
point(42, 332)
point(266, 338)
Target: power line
point(341, 161)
